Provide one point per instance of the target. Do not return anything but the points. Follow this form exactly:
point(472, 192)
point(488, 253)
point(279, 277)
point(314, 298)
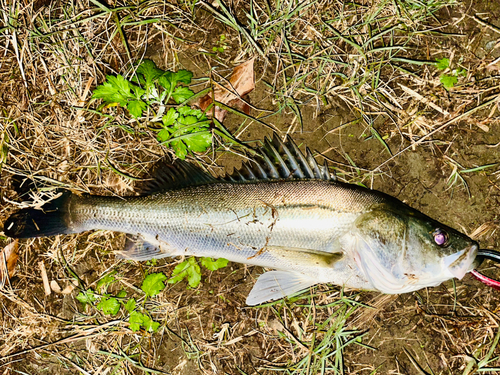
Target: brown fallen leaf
point(54, 285)
point(8, 260)
point(241, 82)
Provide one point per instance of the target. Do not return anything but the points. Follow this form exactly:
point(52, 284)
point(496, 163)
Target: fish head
point(454, 253)
point(399, 249)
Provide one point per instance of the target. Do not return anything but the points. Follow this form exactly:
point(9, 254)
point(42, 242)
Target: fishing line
point(491, 255)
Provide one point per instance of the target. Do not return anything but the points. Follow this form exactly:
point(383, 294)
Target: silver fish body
point(265, 223)
point(310, 230)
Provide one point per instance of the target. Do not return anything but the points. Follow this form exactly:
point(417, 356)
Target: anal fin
point(274, 285)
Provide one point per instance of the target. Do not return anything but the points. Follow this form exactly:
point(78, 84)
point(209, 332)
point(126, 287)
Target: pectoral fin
point(274, 285)
point(305, 257)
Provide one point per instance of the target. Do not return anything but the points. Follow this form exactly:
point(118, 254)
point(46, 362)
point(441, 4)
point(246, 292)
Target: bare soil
point(210, 330)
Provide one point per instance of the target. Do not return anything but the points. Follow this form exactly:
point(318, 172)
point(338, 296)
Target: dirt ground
point(450, 173)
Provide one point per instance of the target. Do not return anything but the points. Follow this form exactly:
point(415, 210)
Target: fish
point(281, 210)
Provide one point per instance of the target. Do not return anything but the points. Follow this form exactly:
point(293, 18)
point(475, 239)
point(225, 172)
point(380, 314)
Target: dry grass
point(369, 61)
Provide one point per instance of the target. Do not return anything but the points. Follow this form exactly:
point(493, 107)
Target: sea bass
point(280, 210)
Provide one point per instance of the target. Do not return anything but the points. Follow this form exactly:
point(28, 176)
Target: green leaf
point(130, 305)
point(150, 72)
point(136, 107)
point(152, 262)
point(188, 111)
point(153, 284)
point(190, 138)
point(167, 81)
point(138, 92)
point(443, 63)
point(189, 269)
point(170, 117)
point(170, 79)
point(149, 325)
point(194, 276)
point(199, 142)
point(183, 76)
point(180, 149)
point(187, 120)
point(121, 294)
point(109, 306)
point(448, 81)
point(163, 135)
point(114, 90)
point(181, 94)
point(179, 272)
point(213, 265)
point(135, 320)
point(86, 297)
point(183, 138)
point(105, 281)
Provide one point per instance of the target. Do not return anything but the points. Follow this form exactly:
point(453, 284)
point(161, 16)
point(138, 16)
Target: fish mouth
point(462, 262)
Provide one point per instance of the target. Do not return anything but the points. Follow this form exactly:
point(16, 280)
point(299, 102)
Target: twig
point(419, 368)
point(45, 279)
point(83, 335)
point(426, 101)
point(486, 24)
point(442, 127)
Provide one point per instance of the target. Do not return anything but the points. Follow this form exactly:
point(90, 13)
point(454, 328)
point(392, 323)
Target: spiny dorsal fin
point(170, 175)
point(278, 160)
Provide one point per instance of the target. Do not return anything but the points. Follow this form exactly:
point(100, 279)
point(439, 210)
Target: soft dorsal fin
point(170, 175)
point(281, 160)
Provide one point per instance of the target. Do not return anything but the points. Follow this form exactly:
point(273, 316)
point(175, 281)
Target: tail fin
point(50, 220)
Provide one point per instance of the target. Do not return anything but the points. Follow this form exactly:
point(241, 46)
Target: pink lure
point(486, 280)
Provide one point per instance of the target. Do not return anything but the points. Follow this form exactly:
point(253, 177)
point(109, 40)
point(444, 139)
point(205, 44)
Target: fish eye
point(440, 237)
